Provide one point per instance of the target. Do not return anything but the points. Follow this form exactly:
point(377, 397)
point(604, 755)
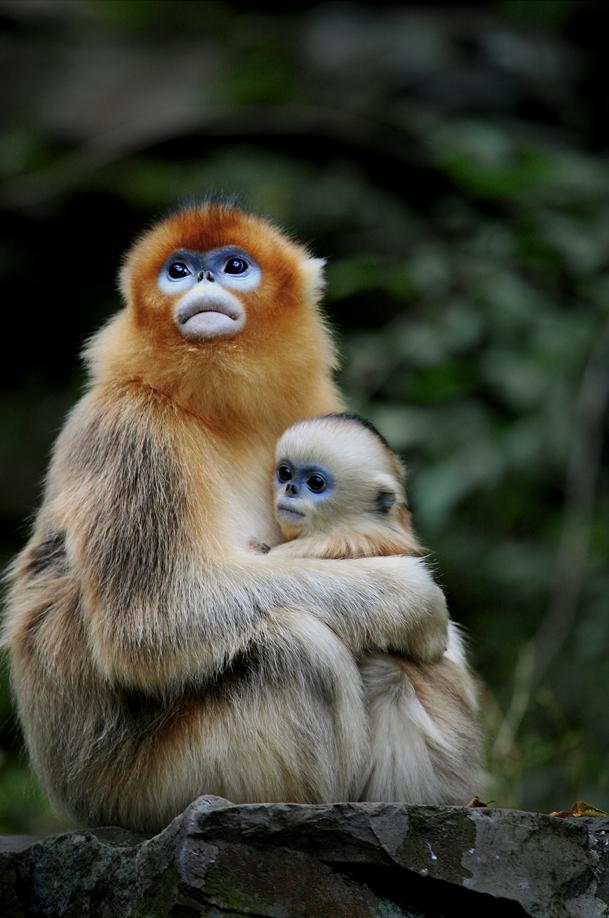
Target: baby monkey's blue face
point(300, 489)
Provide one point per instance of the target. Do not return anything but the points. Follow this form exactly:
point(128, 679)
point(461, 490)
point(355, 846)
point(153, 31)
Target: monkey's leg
point(284, 722)
point(288, 723)
point(423, 732)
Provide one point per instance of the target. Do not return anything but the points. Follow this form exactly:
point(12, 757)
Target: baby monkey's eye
point(236, 266)
point(177, 270)
point(316, 483)
point(283, 473)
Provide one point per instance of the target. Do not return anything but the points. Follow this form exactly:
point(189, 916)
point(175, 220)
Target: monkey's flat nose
point(207, 275)
point(291, 488)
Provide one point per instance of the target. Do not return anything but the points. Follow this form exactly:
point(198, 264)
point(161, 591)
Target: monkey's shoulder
point(128, 426)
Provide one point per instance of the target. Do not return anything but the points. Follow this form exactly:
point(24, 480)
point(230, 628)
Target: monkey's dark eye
point(283, 473)
point(316, 483)
point(236, 266)
point(177, 270)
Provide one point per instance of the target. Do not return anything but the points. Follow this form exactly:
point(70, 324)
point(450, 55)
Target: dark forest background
point(451, 162)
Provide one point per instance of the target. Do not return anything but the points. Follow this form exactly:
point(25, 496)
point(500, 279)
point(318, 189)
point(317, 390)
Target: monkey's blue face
point(206, 308)
point(299, 489)
point(229, 266)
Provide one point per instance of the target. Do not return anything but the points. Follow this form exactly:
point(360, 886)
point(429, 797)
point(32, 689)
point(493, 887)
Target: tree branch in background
point(583, 470)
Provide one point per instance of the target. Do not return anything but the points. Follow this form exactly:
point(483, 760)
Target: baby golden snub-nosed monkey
point(339, 493)
point(154, 657)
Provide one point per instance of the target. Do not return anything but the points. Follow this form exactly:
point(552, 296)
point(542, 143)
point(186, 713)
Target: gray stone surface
point(283, 860)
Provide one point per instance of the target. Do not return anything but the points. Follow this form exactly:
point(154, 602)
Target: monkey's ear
point(313, 276)
point(384, 501)
point(123, 282)
point(386, 493)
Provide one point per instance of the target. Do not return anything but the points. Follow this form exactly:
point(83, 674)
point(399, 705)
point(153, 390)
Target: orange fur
point(221, 380)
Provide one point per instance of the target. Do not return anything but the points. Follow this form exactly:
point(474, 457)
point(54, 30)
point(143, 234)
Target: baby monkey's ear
point(387, 493)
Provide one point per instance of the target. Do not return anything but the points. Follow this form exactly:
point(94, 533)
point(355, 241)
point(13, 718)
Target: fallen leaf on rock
point(580, 808)
point(475, 802)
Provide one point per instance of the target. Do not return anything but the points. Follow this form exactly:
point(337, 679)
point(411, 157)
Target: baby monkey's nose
point(291, 488)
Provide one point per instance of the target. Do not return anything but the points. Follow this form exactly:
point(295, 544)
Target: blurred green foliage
point(451, 164)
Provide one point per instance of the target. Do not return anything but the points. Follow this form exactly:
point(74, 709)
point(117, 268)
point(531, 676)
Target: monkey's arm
point(155, 610)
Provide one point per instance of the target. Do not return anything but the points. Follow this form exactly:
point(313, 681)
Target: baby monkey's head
point(335, 469)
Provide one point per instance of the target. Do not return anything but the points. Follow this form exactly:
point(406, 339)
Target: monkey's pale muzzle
point(202, 316)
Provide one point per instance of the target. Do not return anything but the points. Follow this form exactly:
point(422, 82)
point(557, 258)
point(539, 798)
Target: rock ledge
point(347, 859)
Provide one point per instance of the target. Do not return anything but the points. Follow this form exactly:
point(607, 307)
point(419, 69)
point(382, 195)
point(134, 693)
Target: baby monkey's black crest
point(363, 422)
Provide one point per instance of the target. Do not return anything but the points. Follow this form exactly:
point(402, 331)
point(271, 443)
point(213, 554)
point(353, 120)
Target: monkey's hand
point(422, 633)
point(426, 644)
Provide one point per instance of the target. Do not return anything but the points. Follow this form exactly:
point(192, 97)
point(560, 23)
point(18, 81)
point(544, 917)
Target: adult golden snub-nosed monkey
point(154, 656)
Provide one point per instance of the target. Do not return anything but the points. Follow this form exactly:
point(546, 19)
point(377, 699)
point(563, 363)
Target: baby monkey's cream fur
point(425, 745)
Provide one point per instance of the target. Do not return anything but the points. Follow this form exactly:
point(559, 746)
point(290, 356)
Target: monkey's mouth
point(289, 512)
point(209, 317)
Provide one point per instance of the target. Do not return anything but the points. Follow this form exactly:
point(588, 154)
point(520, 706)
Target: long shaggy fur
point(153, 656)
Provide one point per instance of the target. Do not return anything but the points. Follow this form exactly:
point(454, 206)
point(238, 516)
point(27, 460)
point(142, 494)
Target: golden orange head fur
point(283, 346)
point(289, 276)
